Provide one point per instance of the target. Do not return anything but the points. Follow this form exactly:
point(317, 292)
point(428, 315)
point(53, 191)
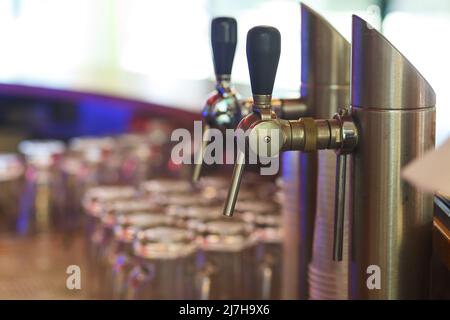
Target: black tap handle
point(223, 41)
point(263, 54)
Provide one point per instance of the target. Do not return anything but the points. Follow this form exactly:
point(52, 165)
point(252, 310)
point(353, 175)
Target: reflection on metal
point(393, 107)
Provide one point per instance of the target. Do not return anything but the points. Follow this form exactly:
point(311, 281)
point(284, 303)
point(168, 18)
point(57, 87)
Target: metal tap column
point(325, 83)
point(393, 107)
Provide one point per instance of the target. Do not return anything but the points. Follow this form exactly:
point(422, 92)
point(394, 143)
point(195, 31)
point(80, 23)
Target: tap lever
point(223, 42)
point(339, 207)
point(347, 141)
point(198, 164)
point(233, 192)
point(263, 54)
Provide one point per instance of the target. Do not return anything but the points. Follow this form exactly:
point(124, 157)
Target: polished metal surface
point(382, 77)
point(198, 164)
point(325, 83)
point(339, 202)
point(348, 138)
point(325, 65)
point(289, 109)
point(393, 107)
point(221, 111)
point(233, 190)
point(285, 108)
point(261, 101)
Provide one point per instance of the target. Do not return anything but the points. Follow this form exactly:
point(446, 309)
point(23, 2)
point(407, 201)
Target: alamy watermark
point(73, 281)
point(260, 146)
point(373, 281)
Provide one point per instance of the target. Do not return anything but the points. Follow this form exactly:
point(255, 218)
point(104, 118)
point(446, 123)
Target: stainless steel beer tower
point(393, 107)
point(325, 87)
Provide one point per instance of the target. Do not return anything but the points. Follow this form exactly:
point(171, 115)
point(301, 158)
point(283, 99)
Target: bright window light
point(165, 39)
point(422, 38)
point(46, 37)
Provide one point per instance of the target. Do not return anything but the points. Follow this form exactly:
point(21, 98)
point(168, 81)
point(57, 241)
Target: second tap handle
point(263, 55)
point(223, 42)
point(339, 207)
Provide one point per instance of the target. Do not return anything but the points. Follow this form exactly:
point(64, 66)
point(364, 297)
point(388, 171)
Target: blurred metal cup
point(137, 157)
point(105, 234)
point(252, 188)
point(121, 258)
point(94, 203)
point(266, 218)
point(96, 198)
point(181, 201)
point(11, 185)
point(191, 216)
point(42, 202)
point(227, 261)
point(165, 267)
point(158, 187)
point(88, 162)
point(97, 156)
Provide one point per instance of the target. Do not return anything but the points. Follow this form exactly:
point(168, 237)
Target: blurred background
point(158, 52)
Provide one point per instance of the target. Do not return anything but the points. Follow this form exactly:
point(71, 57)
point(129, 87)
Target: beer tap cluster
point(375, 124)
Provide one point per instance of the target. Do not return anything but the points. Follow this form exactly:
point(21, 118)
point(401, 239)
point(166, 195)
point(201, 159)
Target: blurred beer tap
point(224, 108)
point(266, 134)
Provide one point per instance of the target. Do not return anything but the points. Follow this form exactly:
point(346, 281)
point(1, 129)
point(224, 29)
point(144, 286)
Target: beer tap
point(266, 134)
point(224, 108)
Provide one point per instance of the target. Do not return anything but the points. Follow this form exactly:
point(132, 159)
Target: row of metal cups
point(42, 184)
point(168, 240)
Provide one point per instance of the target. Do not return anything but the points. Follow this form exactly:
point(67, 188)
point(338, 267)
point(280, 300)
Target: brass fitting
point(265, 129)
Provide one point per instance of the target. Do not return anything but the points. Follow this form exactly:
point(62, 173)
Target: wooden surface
point(35, 267)
point(441, 242)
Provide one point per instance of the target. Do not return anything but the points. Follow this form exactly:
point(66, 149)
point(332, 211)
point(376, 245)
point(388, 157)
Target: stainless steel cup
point(42, 201)
point(11, 183)
point(121, 258)
point(164, 186)
point(137, 157)
point(165, 267)
point(227, 261)
point(105, 235)
point(99, 159)
point(94, 203)
point(266, 217)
